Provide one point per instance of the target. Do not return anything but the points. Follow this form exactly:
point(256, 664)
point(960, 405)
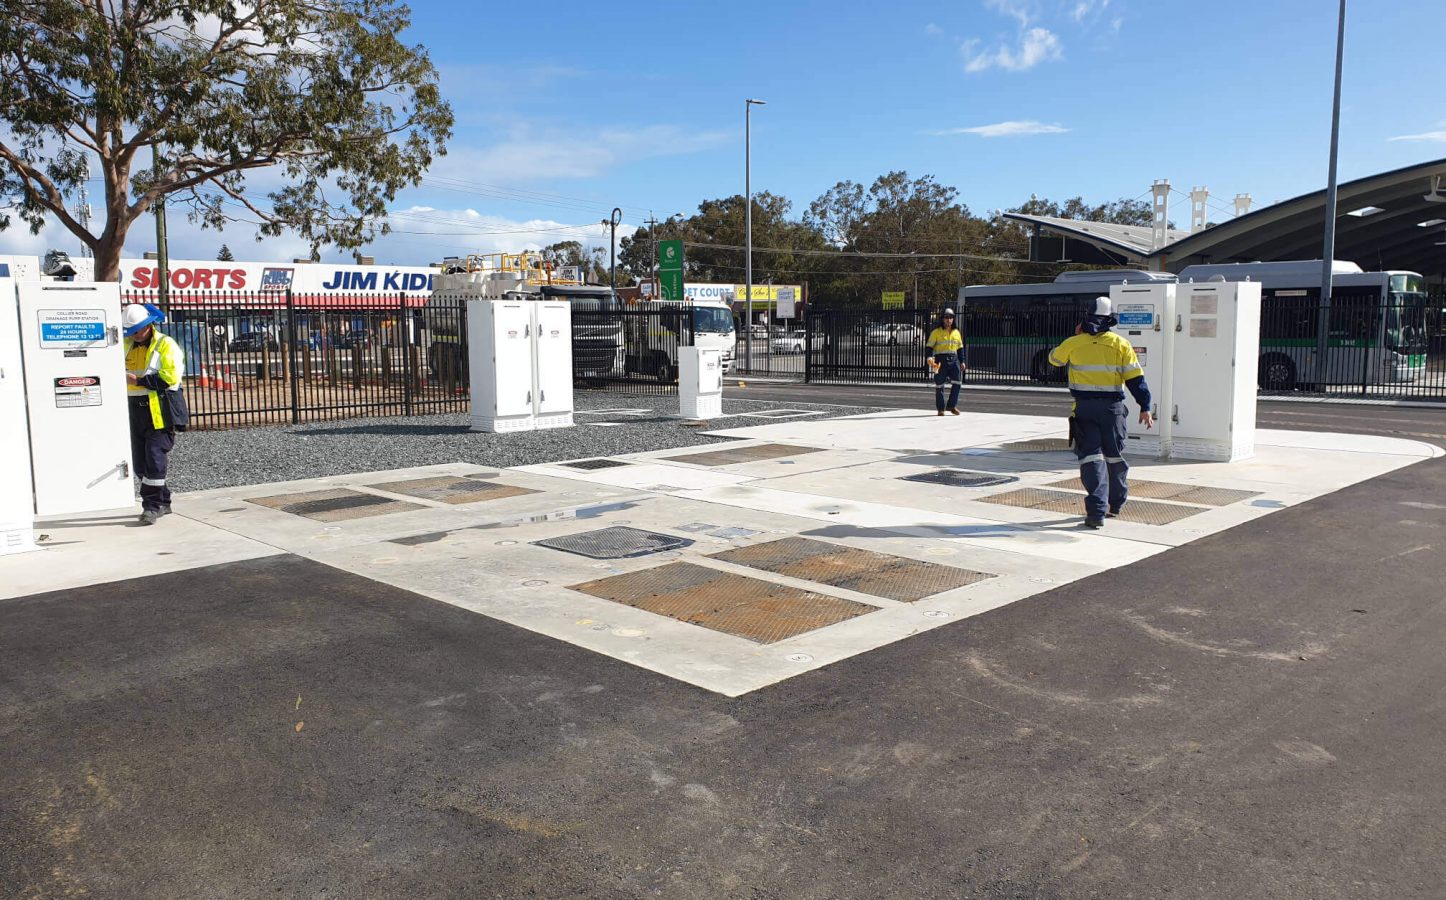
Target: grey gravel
point(213, 459)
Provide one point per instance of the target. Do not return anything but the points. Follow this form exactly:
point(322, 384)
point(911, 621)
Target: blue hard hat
point(137, 316)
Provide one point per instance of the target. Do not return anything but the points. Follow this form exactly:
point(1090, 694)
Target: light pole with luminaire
point(1328, 251)
point(748, 216)
point(612, 222)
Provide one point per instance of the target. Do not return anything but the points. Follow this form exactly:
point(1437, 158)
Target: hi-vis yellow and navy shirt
point(945, 340)
point(159, 365)
point(1102, 365)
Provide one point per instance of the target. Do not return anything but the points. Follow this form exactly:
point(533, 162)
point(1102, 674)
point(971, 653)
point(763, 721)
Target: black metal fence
point(271, 358)
point(1391, 351)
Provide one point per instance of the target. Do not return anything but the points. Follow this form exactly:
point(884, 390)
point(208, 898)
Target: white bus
point(1377, 329)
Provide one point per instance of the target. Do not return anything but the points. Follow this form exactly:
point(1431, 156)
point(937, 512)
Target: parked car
point(252, 342)
point(793, 342)
point(891, 334)
point(758, 329)
point(352, 339)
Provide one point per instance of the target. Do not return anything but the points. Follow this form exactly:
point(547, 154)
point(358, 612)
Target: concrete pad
point(499, 572)
point(227, 507)
point(652, 476)
point(98, 550)
point(905, 431)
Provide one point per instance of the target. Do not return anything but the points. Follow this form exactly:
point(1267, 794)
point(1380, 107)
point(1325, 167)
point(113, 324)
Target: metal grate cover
point(1143, 512)
point(960, 478)
point(1180, 493)
point(595, 464)
point(450, 489)
point(733, 455)
point(864, 571)
point(335, 505)
point(1038, 445)
point(748, 608)
point(615, 542)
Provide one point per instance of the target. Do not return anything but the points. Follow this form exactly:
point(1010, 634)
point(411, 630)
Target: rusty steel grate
point(335, 505)
point(1038, 445)
point(1143, 512)
point(450, 489)
point(744, 607)
point(1180, 493)
point(864, 571)
point(960, 478)
point(615, 542)
point(595, 464)
point(733, 455)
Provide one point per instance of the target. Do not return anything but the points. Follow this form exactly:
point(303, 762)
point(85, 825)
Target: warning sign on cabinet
point(77, 390)
point(71, 329)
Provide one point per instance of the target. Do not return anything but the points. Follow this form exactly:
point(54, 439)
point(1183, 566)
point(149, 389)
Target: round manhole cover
point(799, 657)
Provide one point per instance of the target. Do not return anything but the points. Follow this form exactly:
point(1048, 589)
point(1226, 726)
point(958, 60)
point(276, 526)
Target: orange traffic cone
point(204, 380)
point(230, 380)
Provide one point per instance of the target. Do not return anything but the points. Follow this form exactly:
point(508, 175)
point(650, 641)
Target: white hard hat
point(136, 316)
point(948, 312)
point(1101, 307)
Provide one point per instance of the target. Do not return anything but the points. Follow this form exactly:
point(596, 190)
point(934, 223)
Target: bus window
point(1355, 315)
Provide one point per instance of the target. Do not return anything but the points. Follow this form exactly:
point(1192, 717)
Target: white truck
point(597, 330)
point(652, 340)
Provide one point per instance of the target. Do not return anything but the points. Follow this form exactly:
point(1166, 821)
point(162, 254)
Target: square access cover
point(1143, 512)
point(595, 464)
point(880, 574)
point(615, 542)
point(451, 489)
point(750, 608)
point(1179, 493)
point(335, 505)
point(731, 455)
point(961, 478)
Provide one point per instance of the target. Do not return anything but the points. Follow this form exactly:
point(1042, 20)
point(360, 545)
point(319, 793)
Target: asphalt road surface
point(1258, 714)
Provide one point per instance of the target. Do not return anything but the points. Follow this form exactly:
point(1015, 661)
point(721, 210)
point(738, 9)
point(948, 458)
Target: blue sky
point(641, 106)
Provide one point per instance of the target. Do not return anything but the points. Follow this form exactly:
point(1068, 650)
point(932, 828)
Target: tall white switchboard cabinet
point(520, 364)
point(1217, 353)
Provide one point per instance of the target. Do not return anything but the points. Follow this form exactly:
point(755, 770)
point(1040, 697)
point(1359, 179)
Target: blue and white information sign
point(71, 329)
point(1137, 315)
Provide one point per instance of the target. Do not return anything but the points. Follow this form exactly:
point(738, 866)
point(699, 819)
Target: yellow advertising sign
point(765, 291)
point(893, 299)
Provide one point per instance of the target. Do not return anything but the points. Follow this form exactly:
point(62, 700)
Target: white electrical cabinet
point(70, 334)
point(1146, 314)
point(520, 364)
point(552, 363)
point(17, 498)
point(1217, 348)
point(700, 383)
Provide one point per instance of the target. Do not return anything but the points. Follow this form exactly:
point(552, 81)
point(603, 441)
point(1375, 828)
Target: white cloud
point(1036, 45)
point(1005, 129)
point(933, 30)
point(1021, 10)
point(530, 153)
point(1433, 137)
point(1083, 8)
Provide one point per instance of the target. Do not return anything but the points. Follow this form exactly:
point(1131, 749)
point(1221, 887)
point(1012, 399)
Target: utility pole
point(163, 257)
point(653, 253)
point(1328, 252)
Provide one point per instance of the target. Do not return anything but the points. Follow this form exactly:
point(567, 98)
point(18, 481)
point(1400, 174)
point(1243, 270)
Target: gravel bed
point(213, 459)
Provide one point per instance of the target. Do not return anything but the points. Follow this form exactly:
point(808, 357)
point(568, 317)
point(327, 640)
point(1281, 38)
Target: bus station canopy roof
point(1393, 220)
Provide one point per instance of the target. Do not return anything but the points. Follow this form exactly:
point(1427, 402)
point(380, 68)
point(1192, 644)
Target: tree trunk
point(108, 255)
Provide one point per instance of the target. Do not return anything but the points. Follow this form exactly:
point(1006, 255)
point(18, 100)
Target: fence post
point(408, 360)
point(808, 346)
point(291, 355)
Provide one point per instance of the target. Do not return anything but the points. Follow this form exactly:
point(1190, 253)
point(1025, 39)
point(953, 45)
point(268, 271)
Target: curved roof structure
point(1393, 220)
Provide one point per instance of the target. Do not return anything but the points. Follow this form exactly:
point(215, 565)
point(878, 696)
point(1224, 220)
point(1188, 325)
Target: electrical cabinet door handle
point(112, 335)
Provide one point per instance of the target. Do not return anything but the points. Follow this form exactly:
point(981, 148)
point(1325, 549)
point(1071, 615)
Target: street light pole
point(1328, 252)
point(748, 105)
point(613, 221)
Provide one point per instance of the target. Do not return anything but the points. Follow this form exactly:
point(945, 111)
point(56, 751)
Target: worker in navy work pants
point(1102, 366)
point(155, 366)
point(947, 346)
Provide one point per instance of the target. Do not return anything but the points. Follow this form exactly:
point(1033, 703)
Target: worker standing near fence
point(946, 345)
point(1102, 366)
point(155, 366)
